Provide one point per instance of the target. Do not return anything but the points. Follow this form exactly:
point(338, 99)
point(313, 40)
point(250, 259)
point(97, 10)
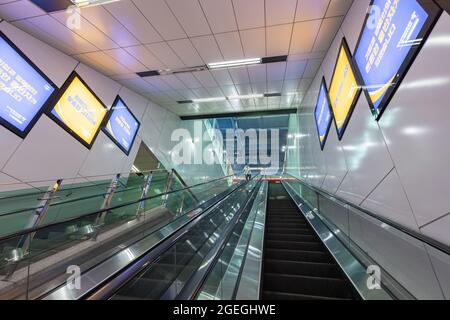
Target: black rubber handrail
point(195, 283)
point(414, 234)
point(88, 215)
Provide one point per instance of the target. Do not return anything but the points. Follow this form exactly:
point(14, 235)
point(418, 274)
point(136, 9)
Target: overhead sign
point(79, 111)
point(323, 114)
point(122, 126)
point(392, 35)
point(24, 89)
point(344, 89)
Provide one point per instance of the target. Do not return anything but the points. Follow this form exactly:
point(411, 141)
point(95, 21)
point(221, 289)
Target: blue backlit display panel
point(122, 126)
point(323, 114)
point(392, 35)
point(24, 89)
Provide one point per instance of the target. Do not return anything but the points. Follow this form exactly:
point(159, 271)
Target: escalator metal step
point(297, 255)
point(313, 269)
point(270, 295)
point(305, 285)
point(293, 245)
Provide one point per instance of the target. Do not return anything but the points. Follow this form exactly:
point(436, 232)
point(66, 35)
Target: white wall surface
point(49, 152)
point(398, 167)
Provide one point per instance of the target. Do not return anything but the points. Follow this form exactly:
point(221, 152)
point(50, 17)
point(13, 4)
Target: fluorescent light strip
point(235, 63)
point(244, 97)
point(209, 99)
point(91, 3)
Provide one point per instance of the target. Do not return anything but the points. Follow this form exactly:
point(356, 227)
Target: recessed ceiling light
point(234, 63)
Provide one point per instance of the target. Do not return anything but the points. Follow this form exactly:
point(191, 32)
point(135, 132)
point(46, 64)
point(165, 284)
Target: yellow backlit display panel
point(79, 111)
point(344, 90)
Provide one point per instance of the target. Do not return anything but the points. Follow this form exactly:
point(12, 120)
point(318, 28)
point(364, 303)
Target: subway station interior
point(224, 150)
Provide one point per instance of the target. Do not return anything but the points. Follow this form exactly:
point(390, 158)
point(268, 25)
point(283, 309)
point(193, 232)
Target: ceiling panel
point(191, 17)
point(280, 11)
point(220, 15)
point(249, 13)
point(128, 36)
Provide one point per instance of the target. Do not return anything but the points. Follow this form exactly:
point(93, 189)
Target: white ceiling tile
point(191, 17)
point(328, 30)
point(338, 8)
point(280, 11)
point(229, 90)
point(103, 63)
point(249, 13)
point(87, 31)
point(173, 82)
point(259, 87)
point(161, 18)
point(34, 30)
point(220, 15)
point(138, 84)
point(312, 68)
point(62, 33)
point(205, 78)
point(254, 42)
point(274, 86)
point(239, 75)
point(230, 45)
point(258, 73)
point(278, 39)
point(166, 55)
point(187, 94)
point(158, 83)
point(201, 93)
point(142, 54)
point(304, 84)
point(311, 9)
point(290, 85)
point(19, 10)
point(304, 36)
point(222, 77)
point(189, 80)
point(295, 69)
point(126, 59)
point(276, 71)
point(215, 92)
point(109, 25)
point(244, 89)
point(207, 48)
point(186, 51)
point(128, 14)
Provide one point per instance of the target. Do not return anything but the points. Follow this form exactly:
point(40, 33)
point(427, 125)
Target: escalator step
point(315, 286)
point(297, 255)
point(292, 245)
point(270, 295)
point(291, 237)
point(301, 231)
point(323, 270)
point(289, 225)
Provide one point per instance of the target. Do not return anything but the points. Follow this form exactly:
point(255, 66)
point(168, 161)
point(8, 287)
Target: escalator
point(297, 265)
point(168, 275)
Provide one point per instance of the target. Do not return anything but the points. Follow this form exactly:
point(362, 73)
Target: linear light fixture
point(209, 99)
point(234, 63)
point(238, 97)
point(245, 97)
point(91, 3)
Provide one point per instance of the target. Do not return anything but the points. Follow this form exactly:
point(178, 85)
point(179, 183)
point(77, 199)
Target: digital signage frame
point(434, 12)
point(344, 46)
point(57, 98)
point(323, 88)
point(8, 125)
point(108, 119)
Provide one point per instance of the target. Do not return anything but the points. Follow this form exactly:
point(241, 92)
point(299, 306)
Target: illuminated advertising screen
point(344, 89)
point(24, 89)
point(78, 110)
point(122, 126)
point(323, 114)
point(392, 36)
